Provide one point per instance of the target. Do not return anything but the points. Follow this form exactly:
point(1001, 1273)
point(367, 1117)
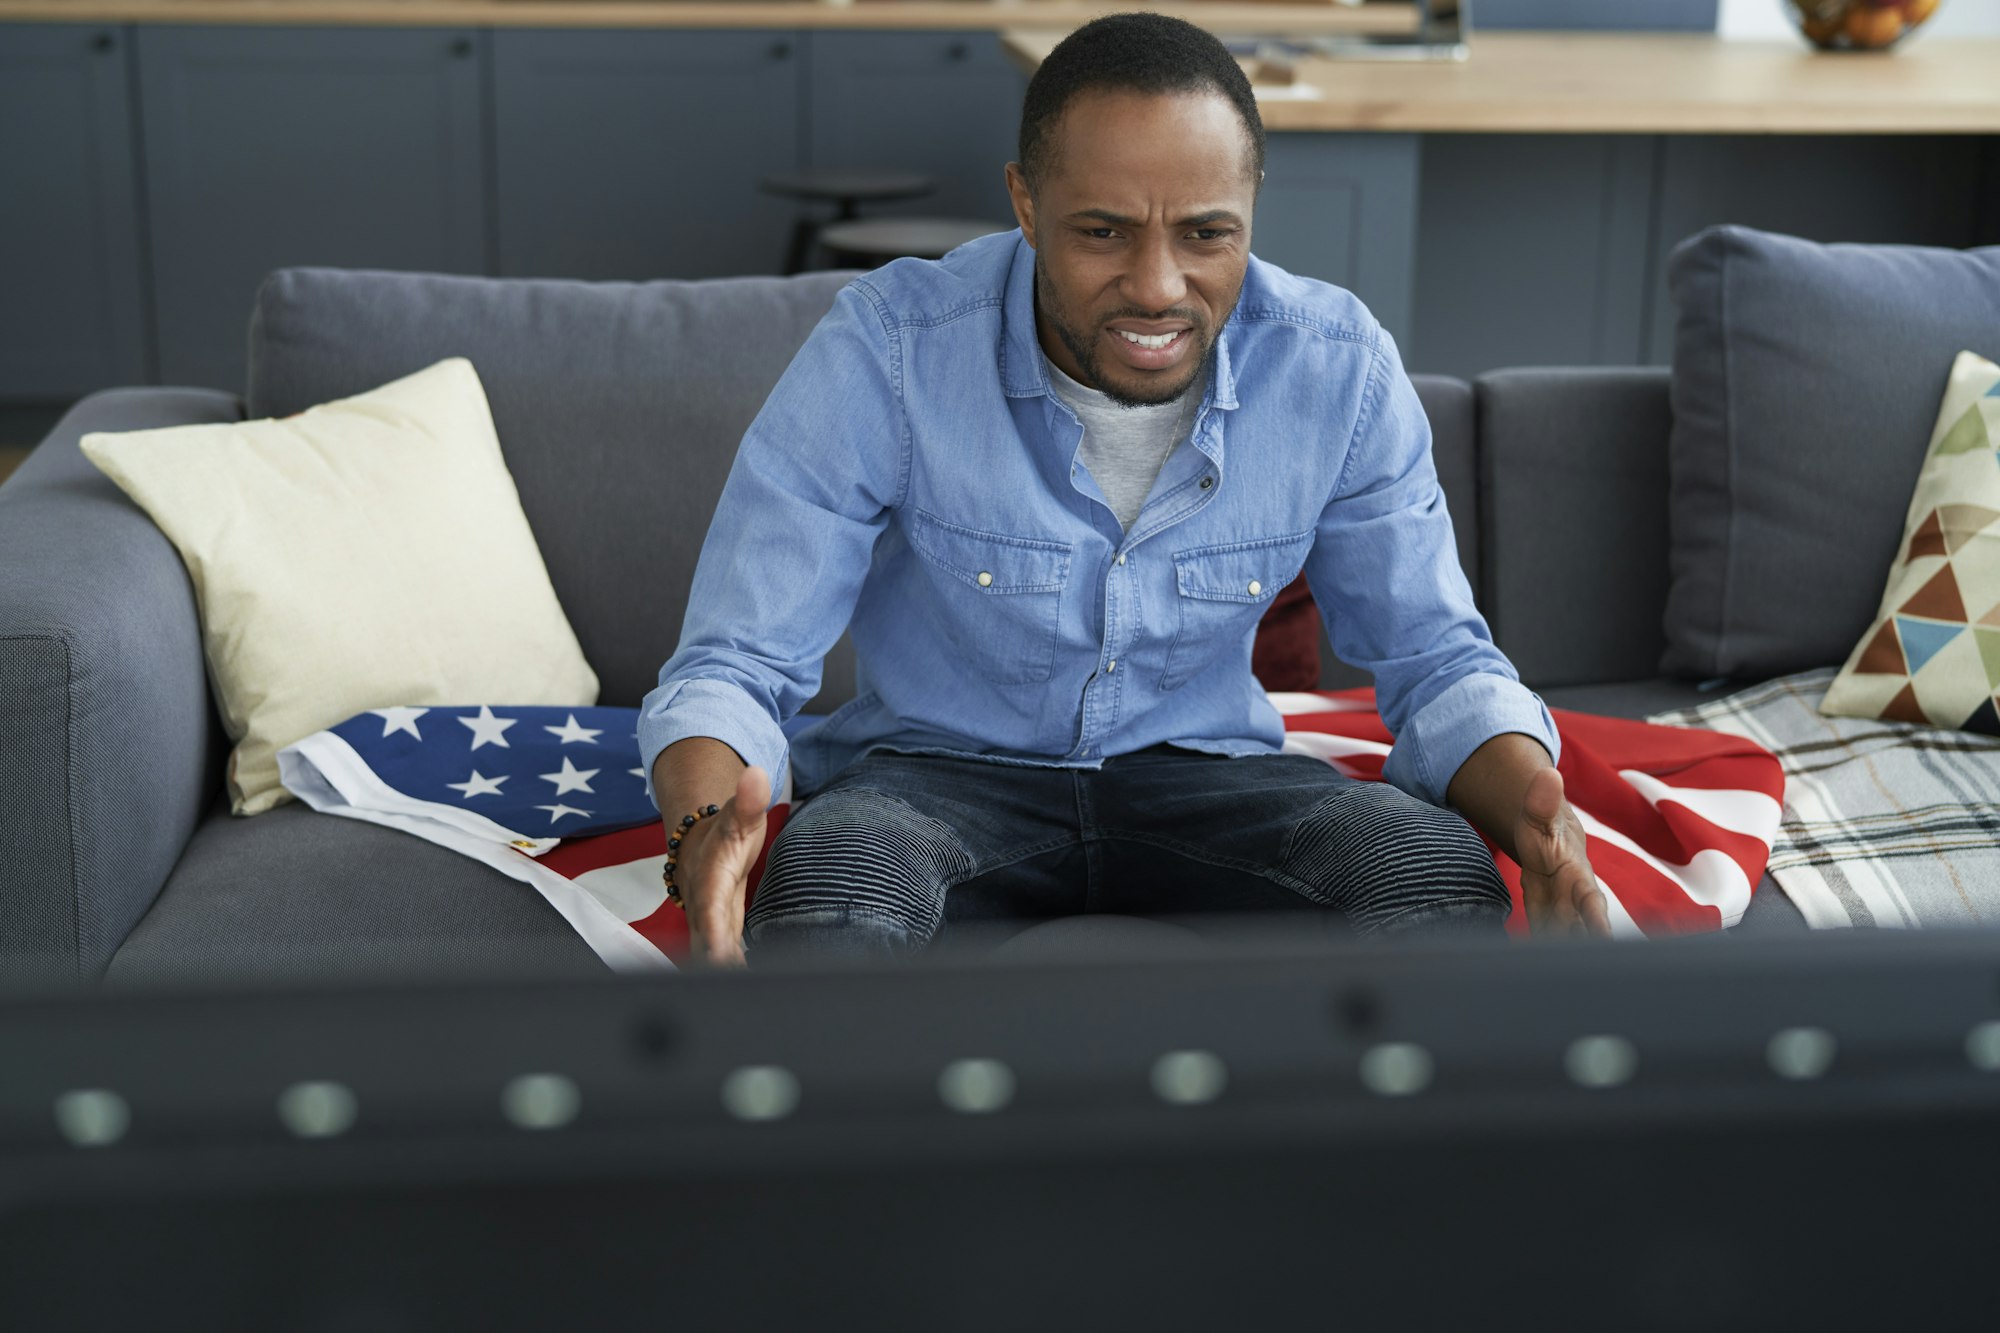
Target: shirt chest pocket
point(1221, 593)
point(999, 598)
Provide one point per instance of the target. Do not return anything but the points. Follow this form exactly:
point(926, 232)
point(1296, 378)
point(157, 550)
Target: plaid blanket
point(1884, 823)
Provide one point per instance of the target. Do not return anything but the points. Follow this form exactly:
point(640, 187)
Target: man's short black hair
point(1144, 53)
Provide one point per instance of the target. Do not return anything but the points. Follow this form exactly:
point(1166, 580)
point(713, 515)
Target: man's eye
point(1211, 233)
point(1099, 233)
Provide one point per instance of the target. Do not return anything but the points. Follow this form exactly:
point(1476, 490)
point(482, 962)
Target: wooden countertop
point(1515, 82)
point(972, 15)
point(1599, 83)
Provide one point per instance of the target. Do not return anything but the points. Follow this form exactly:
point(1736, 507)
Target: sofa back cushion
point(1805, 381)
point(1573, 519)
point(619, 407)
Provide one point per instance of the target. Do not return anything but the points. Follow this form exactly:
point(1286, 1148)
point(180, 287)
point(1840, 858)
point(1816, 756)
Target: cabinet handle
point(462, 47)
point(103, 41)
point(781, 50)
point(957, 51)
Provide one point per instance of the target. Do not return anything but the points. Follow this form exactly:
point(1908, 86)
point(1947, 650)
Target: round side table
point(846, 191)
point(868, 242)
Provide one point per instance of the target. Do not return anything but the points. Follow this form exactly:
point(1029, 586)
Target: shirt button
point(1255, 587)
point(1121, 557)
point(985, 579)
point(1207, 482)
point(1112, 665)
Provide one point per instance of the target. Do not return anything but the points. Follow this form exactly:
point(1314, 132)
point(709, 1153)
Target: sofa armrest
point(110, 749)
point(1573, 520)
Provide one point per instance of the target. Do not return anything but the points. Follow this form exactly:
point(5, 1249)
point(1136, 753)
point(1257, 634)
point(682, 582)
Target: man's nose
point(1155, 280)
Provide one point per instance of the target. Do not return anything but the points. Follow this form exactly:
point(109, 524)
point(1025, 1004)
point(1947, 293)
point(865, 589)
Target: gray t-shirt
point(1125, 447)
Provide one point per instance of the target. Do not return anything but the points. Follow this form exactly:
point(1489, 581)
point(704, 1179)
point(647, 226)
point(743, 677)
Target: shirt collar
point(1022, 372)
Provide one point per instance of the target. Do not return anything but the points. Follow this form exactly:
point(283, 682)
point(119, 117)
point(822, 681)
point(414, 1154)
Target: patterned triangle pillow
point(1933, 654)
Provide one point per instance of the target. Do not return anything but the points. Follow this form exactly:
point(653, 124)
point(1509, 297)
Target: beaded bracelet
point(674, 845)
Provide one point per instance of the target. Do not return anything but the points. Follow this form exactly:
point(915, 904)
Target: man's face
point(1141, 230)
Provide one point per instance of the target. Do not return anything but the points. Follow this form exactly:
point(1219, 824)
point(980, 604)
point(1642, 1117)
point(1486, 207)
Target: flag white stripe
point(1292, 705)
point(1751, 813)
point(629, 890)
point(1325, 745)
point(1712, 879)
point(1622, 925)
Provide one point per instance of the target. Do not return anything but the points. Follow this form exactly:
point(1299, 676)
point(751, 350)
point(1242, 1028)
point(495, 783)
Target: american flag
point(1680, 822)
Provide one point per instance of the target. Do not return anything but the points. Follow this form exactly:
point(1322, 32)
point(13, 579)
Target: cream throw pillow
point(1933, 654)
point(363, 553)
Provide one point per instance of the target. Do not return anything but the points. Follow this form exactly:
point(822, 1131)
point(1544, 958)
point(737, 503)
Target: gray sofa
point(618, 406)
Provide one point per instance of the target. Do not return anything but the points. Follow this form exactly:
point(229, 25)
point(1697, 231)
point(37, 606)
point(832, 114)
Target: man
point(1053, 481)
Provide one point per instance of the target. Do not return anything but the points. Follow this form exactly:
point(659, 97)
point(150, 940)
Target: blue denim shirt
point(912, 477)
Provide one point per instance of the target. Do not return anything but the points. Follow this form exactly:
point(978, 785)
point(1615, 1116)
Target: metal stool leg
point(803, 232)
point(807, 231)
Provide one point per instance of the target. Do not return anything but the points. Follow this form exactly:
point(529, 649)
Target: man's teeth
point(1147, 340)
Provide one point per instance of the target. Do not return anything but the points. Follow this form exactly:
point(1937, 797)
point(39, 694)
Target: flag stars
point(570, 731)
point(399, 719)
point(571, 778)
point(478, 786)
point(558, 810)
point(488, 729)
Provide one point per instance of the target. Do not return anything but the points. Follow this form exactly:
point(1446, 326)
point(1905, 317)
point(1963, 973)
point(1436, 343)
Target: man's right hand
point(713, 870)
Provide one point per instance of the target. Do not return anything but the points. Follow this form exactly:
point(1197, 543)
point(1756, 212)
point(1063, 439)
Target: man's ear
point(1023, 200)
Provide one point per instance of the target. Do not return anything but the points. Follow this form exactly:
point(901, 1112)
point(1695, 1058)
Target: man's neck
point(1056, 350)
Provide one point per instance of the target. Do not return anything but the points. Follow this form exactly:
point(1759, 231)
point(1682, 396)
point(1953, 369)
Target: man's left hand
point(1558, 887)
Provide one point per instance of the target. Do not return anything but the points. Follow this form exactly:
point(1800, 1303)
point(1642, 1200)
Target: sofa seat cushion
point(296, 894)
point(1635, 699)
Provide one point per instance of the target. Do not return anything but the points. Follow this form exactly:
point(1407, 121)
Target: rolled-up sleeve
point(1384, 570)
point(810, 491)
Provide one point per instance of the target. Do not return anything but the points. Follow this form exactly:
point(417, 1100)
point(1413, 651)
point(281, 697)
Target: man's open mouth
point(1149, 340)
point(1151, 349)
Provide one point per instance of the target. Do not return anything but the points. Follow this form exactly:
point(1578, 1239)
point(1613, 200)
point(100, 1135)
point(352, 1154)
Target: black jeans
point(897, 849)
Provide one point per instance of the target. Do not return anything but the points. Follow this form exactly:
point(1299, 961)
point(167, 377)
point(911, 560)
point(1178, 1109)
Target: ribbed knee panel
point(862, 853)
point(1388, 860)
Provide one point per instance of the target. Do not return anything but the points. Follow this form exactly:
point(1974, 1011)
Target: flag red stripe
point(1656, 903)
point(1697, 834)
point(1645, 745)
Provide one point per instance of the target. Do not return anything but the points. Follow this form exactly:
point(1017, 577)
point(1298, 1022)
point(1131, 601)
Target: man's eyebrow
point(1120, 220)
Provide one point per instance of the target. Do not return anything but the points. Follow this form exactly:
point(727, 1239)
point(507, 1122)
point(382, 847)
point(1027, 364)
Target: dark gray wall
point(1552, 249)
point(636, 154)
point(72, 294)
point(947, 104)
point(1341, 207)
point(172, 166)
point(1533, 250)
point(268, 146)
point(1988, 230)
